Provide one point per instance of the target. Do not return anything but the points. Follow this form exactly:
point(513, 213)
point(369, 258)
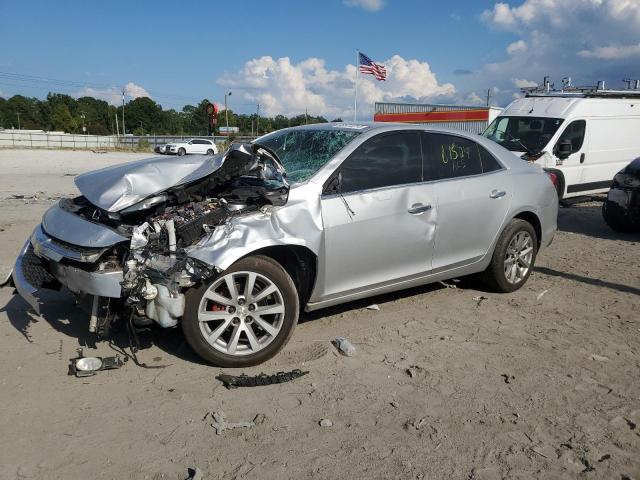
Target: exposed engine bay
point(155, 266)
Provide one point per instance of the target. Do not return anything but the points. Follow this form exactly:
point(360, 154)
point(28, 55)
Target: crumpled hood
point(120, 186)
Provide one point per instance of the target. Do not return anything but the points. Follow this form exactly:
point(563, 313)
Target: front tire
point(244, 316)
point(210, 152)
point(181, 152)
point(615, 216)
point(513, 257)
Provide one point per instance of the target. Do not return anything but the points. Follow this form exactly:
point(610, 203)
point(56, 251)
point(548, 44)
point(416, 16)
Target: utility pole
point(226, 110)
point(306, 120)
point(117, 126)
point(84, 128)
point(18, 113)
point(123, 130)
point(488, 97)
point(258, 120)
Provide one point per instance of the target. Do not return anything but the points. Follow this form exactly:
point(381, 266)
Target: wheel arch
point(532, 218)
point(298, 261)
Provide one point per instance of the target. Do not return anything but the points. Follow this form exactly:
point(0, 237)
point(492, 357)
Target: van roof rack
point(547, 89)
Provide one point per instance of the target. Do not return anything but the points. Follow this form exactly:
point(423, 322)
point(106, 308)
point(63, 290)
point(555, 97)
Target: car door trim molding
point(393, 285)
point(584, 187)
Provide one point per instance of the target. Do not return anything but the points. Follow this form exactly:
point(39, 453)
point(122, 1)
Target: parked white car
point(195, 145)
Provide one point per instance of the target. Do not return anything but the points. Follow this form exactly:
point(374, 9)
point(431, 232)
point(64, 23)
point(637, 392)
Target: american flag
point(372, 68)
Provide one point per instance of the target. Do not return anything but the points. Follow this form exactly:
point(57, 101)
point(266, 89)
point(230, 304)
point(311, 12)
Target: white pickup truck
point(195, 145)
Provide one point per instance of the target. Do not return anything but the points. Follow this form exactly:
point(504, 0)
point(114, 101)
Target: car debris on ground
point(326, 423)
point(344, 346)
point(220, 424)
point(479, 299)
point(82, 366)
point(541, 294)
point(373, 307)
point(235, 381)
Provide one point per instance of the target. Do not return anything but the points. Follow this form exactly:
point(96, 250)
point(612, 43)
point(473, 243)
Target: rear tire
point(237, 335)
point(513, 258)
point(209, 152)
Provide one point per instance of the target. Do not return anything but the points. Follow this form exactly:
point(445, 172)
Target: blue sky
point(179, 53)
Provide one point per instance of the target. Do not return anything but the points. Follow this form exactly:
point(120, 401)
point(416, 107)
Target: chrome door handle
point(419, 208)
point(497, 194)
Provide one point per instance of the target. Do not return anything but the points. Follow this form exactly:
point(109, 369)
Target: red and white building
point(469, 119)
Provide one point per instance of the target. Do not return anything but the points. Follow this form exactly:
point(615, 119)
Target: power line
point(38, 82)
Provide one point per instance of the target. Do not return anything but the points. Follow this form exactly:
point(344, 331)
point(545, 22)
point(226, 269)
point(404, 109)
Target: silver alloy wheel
point(241, 313)
point(519, 255)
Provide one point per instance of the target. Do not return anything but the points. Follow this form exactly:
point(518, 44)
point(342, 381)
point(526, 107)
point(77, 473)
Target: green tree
point(61, 119)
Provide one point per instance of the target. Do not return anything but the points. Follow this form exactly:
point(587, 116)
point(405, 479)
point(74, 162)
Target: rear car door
point(200, 146)
point(379, 222)
point(473, 195)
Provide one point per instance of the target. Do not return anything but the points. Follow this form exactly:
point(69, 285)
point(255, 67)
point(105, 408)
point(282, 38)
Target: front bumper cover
point(40, 264)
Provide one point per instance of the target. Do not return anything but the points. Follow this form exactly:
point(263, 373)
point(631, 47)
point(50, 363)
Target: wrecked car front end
point(129, 246)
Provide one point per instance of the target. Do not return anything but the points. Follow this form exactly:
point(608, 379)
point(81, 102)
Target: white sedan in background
point(195, 145)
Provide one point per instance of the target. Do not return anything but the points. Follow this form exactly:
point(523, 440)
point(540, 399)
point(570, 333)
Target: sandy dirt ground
point(541, 383)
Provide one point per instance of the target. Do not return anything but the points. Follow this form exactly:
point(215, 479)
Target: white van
point(584, 136)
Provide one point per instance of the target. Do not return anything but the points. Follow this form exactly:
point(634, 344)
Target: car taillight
point(554, 179)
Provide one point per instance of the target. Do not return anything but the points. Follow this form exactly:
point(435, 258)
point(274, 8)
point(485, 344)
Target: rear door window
point(382, 161)
point(451, 156)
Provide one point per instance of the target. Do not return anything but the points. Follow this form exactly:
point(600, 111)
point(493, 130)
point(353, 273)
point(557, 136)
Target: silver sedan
point(232, 247)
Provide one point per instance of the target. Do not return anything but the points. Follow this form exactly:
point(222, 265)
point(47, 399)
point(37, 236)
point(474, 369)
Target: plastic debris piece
point(235, 381)
point(325, 422)
point(373, 307)
point(479, 299)
point(220, 424)
point(195, 474)
point(448, 285)
point(344, 346)
point(541, 294)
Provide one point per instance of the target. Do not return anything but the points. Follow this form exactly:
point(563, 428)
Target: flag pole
point(355, 99)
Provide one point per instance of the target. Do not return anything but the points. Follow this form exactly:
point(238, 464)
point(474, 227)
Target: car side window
point(383, 161)
point(489, 162)
point(574, 132)
point(451, 156)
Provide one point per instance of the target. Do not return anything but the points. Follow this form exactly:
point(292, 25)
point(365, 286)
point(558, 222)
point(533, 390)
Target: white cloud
point(589, 40)
point(612, 52)
point(369, 5)
point(113, 95)
point(523, 83)
point(283, 87)
point(517, 47)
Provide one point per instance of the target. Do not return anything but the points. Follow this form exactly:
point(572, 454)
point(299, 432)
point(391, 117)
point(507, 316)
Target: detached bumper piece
point(233, 381)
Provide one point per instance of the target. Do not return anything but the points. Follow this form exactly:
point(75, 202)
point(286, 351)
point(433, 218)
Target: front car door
point(573, 166)
point(379, 222)
point(473, 194)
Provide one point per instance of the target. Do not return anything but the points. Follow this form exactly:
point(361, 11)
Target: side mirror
point(564, 149)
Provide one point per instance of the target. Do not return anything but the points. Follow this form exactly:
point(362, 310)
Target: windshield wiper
point(517, 140)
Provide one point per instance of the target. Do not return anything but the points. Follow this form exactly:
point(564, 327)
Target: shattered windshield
point(531, 134)
point(304, 152)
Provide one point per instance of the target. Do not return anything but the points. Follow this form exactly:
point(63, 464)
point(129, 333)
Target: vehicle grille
point(34, 271)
